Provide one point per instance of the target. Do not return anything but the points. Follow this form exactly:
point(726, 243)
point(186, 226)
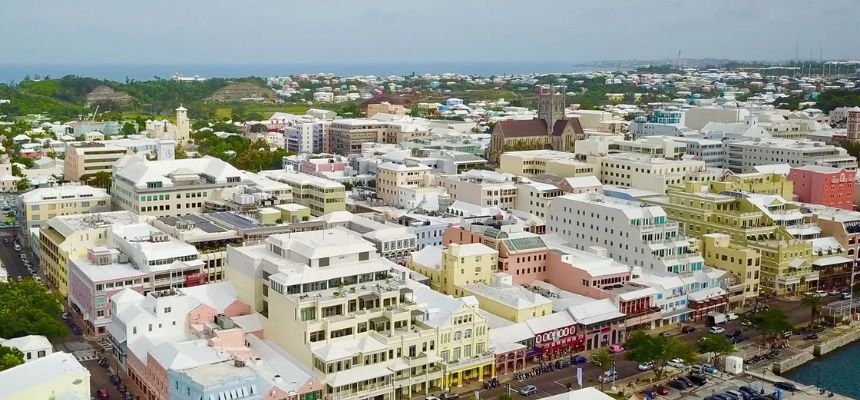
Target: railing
point(470, 361)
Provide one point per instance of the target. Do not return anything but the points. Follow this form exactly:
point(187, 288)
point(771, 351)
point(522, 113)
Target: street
point(9, 257)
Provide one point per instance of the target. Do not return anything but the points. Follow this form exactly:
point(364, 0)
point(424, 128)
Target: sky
point(412, 31)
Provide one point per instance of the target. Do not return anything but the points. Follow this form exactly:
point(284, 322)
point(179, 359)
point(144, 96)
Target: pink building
point(827, 186)
point(317, 165)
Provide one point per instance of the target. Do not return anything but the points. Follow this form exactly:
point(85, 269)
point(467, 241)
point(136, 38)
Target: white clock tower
point(166, 149)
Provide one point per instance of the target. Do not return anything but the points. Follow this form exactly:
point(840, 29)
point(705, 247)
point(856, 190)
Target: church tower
point(551, 105)
point(183, 125)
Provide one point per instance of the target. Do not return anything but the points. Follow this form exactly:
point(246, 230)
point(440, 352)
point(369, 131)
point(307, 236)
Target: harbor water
point(838, 371)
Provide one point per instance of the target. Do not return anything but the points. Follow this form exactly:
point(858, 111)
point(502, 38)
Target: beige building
point(534, 162)
point(391, 177)
point(40, 205)
point(482, 188)
point(511, 302)
point(385, 108)
point(449, 268)
point(321, 195)
point(89, 158)
point(534, 198)
point(655, 174)
point(347, 135)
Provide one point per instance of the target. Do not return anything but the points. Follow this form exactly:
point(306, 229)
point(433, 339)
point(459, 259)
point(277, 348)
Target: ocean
point(838, 371)
point(121, 72)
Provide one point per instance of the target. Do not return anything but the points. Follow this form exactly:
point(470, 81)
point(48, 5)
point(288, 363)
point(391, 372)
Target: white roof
point(330, 243)
point(594, 312)
point(55, 368)
point(472, 249)
point(27, 343)
point(631, 209)
point(510, 334)
point(429, 257)
point(218, 295)
point(301, 179)
point(189, 354)
point(142, 171)
point(65, 193)
point(249, 323)
point(704, 294)
point(346, 348)
point(583, 181)
point(588, 393)
point(358, 374)
point(549, 322)
point(782, 169)
point(512, 296)
point(831, 260)
point(276, 361)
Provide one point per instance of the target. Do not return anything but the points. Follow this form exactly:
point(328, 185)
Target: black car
point(749, 391)
point(677, 384)
point(699, 380)
point(785, 386)
point(687, 381)
point(115, 379)
point(688, 329)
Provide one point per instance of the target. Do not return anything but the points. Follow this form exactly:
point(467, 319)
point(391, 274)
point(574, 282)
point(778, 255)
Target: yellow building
point(321, 195)
point(511, 302)
point(759, 183)
point(758, 222)
point(70, 236)
point(448, 268)
point(743, 263)
point(292, 213)
point(40, 205)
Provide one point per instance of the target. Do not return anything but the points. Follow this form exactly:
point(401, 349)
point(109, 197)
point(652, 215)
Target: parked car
point(709, 368)
point(431, 398)
point(607, 377)
point(821, 293)
point(846, 296)
point(751, 393)
point(661, 390)
point(688, 329)
point(614, 348)
point(686, 380)
point(746, 322)
point(665, 334)
point(17, 247)
point(450, 396)
point(102, 394)
point(676, 363)
point(785, 386)
point(677, 384)
point(577, 359)
point(699, 380)
point(645, 366)
point(737, 394)
point(811, 336)
point(834, 292)
point(717, 329)
point(528, 390)
point(731, 316)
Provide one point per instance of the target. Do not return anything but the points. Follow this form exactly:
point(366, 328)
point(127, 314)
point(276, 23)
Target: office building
point(40, 205)
point(88, 158)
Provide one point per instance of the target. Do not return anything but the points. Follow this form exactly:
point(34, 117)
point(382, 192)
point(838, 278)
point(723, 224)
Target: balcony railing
point(470, 361)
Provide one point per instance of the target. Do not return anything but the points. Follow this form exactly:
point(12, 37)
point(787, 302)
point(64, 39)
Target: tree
point(603, 360)
point(27, 308)
point(658, 350)
point(258, 128)
point(10, 357)
point(770, 323)
point(179, 153)
point(128, 128)
point(717, 344)
point(101, 179)
point(814, 303)
point(22, 184)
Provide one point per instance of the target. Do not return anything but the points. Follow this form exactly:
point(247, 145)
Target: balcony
point(364, 393)
point(469, 362)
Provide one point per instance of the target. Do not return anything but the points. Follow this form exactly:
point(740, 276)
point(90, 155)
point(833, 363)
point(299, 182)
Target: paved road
point(9, 257)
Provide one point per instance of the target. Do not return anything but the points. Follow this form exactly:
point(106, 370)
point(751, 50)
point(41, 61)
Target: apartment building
point(448, 268)
point(347, 135)
point(392, 241)
point(535, 162)
point(535, 198)
point(744, 155)
point(299, 137)
point(826, 186)
point(391, 177)
point(843, 227)
point(321, 195)
point(356, 321)
point(171, 187)
point(767, 183)
point(70, 236)
point(713, 153)
point(701, 209)
point(649, 173)
point(42, 204)
point(483, 188)
point(89, 158)
point(639, 235)
point(653, 146)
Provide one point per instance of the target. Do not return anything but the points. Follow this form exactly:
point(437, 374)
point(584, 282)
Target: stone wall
point(829, 345)
point(802, 357)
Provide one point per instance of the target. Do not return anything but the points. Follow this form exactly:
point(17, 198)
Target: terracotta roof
point(537, 127)
point(523, 128)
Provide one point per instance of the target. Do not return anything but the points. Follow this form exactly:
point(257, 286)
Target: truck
point(716, 318)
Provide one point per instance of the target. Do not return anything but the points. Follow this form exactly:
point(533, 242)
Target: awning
point(370, 296)
point(378, 320)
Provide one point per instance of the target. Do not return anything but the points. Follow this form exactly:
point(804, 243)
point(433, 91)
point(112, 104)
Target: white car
point(676, 362)
point(646, 366)
point(717, 329)
point(731, 316)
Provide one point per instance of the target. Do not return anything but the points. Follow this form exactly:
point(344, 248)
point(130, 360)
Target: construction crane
point(95, 112)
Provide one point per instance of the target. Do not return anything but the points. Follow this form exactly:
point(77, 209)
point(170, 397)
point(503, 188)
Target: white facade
point(712, 152)
point(482, 188)
point(34, 347)
point(744, 156)
point(642, 171)
point(300, 137)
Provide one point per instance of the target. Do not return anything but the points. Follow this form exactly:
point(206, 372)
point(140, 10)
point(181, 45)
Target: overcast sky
point(382, 31)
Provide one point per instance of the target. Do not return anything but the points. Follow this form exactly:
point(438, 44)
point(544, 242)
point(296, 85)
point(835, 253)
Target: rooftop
point(510, 295)
point(63, 193)
point(299, 178)
point(170, 173)
point(55, 368)
point(69, 224)
point(219, 372)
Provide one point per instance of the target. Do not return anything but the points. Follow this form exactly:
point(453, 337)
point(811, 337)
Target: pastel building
point(89, 158)
point(512, 302)
point(450, 268)
point(639, 235)
point(742, 263)
point(534, 162)
point(40, 205)
point(826, 186)
point(58, 375)
point(33, 347)
point(391, 177)
point(321, 195)
point(231, 379)
point(843, 227)
point(483, 188)
point(66, 237)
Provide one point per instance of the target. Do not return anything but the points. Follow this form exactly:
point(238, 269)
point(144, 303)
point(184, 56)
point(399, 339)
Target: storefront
point(558, 342)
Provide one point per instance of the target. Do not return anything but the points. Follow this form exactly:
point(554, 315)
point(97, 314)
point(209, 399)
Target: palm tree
point(814, 303)
point(603, 360)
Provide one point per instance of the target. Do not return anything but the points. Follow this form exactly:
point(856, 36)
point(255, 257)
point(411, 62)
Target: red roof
point(537, 127)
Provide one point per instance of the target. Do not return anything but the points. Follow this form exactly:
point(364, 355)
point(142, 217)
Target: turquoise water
point(838, 371)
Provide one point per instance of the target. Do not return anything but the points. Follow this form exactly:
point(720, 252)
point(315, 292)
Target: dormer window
point(153, 185)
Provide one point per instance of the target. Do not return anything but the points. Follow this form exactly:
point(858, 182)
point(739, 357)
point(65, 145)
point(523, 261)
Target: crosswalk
point(85, 355)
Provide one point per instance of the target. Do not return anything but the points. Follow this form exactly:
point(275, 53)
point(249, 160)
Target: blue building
point(228, 380)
